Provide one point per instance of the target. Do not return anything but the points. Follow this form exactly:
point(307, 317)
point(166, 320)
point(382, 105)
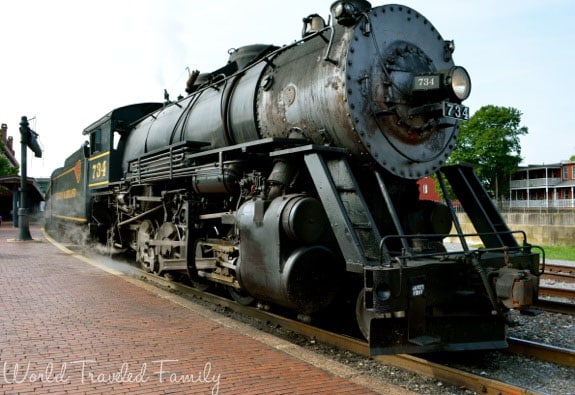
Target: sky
point(66, 63)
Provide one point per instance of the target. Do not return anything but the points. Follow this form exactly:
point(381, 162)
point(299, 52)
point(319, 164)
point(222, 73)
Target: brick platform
point(68, 327)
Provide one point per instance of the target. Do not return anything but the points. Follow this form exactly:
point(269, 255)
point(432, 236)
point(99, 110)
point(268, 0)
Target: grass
point(566, 253)
point(562, 253)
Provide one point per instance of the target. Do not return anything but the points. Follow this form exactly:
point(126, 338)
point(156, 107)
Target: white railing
point(535, 182)
point(562, 203)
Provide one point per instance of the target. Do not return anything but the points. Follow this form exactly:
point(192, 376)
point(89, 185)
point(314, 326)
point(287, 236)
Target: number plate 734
point(454, 110)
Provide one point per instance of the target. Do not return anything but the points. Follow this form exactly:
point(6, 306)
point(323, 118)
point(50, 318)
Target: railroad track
point(556, 292)
point(556, 307)
point(558, 282)
point(545, 352)
point(559, 272)
point(414, 364)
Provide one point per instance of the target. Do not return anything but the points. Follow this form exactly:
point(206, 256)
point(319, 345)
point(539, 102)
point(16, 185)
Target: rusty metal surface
point(555, 307)
point(379, 65)
point(479, 384)
point(545, 352)
point(559, 273)
point(557, 292)
point(304, 95)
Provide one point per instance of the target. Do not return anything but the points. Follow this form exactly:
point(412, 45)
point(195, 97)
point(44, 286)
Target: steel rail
point(552, 268)
point(559, 279)
point(557, 292)
point(544, 352)
point(555, 307)
point(559, 273)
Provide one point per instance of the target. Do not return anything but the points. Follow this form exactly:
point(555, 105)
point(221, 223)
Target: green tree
point(490, 142)
point(6, 169)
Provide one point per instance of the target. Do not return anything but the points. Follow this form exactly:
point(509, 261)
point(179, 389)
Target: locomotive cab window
point(96, 141)
point(116, 136)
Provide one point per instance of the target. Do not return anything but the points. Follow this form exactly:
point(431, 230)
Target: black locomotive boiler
point(289, 177)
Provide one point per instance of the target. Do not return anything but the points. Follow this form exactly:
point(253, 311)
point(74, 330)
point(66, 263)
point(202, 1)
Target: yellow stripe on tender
point(78, 219)
point(99, 156)
point(97, 184)
point(63, 174)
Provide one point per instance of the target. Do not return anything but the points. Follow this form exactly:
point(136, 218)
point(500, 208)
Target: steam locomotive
point(289, 177)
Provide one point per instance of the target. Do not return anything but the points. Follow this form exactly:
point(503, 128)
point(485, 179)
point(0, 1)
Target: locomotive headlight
point(453, 83)
point(383, 292)
point(459, 81)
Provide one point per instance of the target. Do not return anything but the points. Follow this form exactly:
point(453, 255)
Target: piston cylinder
point(276, 269)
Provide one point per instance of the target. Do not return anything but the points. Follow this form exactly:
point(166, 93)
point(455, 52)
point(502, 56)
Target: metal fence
point(561, 212)
point(536, 204)
point(533, 215)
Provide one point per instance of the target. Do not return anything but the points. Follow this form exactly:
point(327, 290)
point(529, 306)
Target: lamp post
point(27, 139)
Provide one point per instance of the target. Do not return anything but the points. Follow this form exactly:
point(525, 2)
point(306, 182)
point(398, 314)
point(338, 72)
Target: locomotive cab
point(106, 142)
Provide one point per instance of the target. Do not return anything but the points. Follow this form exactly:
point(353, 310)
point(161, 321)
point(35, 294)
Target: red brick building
point(428, 190)
point(8, 146)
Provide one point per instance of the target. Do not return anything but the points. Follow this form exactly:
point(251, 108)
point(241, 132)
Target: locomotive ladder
point(346, 209)
point(486, 219)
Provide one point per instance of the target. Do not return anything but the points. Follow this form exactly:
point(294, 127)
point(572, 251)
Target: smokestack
point(9, 144)
point(4, 132)
point(8, 141)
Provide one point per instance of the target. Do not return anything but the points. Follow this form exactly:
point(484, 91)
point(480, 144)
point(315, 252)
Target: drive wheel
point(168, 232)
point(145, 254)
point(241, 297)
